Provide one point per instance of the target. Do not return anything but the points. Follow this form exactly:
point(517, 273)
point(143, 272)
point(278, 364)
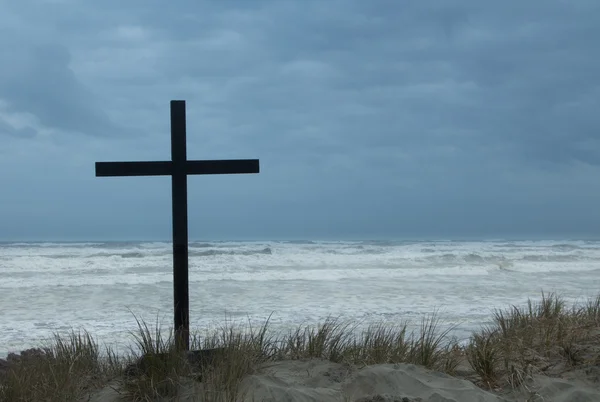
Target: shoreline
point(546, 348)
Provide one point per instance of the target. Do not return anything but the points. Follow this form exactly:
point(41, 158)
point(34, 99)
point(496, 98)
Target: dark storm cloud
point(38, 80)
point(471, 76)
point(415, 115)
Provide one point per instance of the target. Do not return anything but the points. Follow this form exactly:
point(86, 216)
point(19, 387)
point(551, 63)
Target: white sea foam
point(52, 286)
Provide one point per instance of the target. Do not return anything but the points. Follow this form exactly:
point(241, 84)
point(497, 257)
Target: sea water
point(56, 287)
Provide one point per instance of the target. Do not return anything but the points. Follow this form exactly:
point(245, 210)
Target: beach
point(322, 381)
point(318, 373)
point(103, 287)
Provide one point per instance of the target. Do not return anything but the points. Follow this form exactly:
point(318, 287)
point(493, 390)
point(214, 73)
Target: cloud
point(40, 81)
point(354, 107)
point(9, 129)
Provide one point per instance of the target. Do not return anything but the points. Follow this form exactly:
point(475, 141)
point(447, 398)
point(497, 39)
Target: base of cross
point(198, 361)
point(182, 334)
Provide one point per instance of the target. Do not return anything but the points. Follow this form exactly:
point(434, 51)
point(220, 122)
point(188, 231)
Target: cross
point(178, 168)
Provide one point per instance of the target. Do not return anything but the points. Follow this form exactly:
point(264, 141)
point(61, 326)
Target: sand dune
point(318, 380)
point(324, 381)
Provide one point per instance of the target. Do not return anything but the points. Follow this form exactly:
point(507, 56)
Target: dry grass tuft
point(484, 355)
point(430, 348)
point(159, 365)
point(533, 339)
point(379, 343)
point(65, 371)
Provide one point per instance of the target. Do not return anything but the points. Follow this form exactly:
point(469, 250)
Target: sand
point(323, 381)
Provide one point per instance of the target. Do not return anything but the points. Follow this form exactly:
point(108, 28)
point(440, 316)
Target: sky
point(408, 119)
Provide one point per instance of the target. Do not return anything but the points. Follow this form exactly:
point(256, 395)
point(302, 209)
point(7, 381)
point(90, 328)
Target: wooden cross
point(178, 168)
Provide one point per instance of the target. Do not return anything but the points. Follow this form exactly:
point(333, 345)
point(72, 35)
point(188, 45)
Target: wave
point(355, 250)
point(48, 245)
point(127, 254)
point(211, 253)
point(380, 243)
point(566, 247)
point(201, 245)
point(191, 253)
point(378, 254)
point(303, 255)
point(298, 242)
point(132, 255)
point(551, 258)
point(469, 259)
point(475, 258)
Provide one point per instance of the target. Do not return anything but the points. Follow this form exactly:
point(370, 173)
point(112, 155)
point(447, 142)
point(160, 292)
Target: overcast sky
point(371, 119)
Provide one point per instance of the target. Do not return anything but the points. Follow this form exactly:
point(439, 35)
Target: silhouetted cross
point(178, 168)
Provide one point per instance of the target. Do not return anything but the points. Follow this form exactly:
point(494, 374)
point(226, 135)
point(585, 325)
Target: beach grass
point(62, 371)
point(541, 337)
point(544, 337)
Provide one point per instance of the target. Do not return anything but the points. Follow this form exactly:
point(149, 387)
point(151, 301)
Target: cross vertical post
point(180, 226)
point(179, 168)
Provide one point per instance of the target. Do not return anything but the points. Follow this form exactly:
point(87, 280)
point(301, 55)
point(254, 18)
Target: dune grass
point(63, 371)
point(537, 338)
point(520, 341)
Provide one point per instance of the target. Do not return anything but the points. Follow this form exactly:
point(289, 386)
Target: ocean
point(46, 287)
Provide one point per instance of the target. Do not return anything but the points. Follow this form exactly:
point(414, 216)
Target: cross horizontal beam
point(164, 168)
